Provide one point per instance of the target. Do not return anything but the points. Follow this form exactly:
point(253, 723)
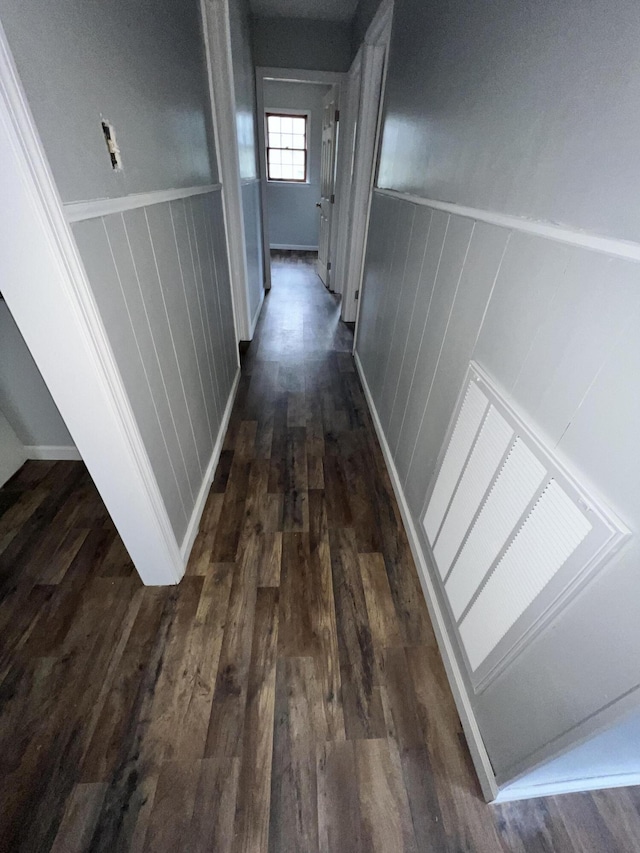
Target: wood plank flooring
point(288, 695)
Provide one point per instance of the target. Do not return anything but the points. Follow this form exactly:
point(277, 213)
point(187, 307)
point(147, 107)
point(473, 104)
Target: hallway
point(288, 695)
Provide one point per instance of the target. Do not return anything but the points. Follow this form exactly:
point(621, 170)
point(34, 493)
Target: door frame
point(46, 288)
point(290, 75)
point(371, 60)
point(216, 30)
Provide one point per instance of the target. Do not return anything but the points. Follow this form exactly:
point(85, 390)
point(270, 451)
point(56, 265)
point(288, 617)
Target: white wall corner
point(478, 750)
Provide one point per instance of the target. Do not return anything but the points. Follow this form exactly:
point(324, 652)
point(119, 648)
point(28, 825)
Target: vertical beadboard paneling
point(406, 303)
point(556, 326)
point(176, 424)
point(108, 289)
point(474, 292)
point(160, 278)
point(447, 278)
point(434, 243)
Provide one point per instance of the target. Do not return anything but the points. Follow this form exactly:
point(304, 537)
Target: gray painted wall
point(139, 65)
point(555, 325)
point(302, 43)
point(246, 117)
point(24, 398)
point(292, 212)
point(159, 273)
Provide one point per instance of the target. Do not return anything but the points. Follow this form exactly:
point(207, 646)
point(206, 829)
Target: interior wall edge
point(203, 494)
point(608, 245)
point(78, 211)
point(479, 754)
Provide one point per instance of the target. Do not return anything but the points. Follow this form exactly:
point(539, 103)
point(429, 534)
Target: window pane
point(299, 125)
point(298, 142)
point(275, 140)
point(297, 158)
point(286, 124)
point(287, 140)
point(275, 172)
point(298, 173)
point(273, 124)
point(275, 155)
point(286, 158)
point(287, 173)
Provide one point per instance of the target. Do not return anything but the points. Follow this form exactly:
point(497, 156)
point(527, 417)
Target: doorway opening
point(299, 115)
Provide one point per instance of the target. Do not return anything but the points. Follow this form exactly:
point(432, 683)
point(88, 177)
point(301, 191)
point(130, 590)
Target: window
point(286, 147)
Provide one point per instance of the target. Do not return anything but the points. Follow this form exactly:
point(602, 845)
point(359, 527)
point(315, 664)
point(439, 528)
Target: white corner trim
point(76, 211)
point(569, 786)
point(291, 247)
point(256, 313)
point(203, 494)
point(52, 451)
point(477, 748)
point(609, 245)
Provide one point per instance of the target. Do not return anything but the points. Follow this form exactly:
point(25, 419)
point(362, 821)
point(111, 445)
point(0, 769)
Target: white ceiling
point(325, 10)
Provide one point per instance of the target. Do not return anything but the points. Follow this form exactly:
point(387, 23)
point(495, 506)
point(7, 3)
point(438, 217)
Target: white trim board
point(609, 245)
point(290, 247)
point(477, 748)
point(299, 75)
point(52, 451)
point(194, 522)
point(569, 786)
point(77, 211)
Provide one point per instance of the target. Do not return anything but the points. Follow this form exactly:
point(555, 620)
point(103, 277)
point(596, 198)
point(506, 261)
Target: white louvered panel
point(469, 420)
point(550, 534)
point(520, 477)
point(493, 440)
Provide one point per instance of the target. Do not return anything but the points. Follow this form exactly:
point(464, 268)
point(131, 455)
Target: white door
point(12, 453)
point(327, 183)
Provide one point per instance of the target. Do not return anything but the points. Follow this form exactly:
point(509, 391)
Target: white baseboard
point(477, 748)
point(568, 786)
point(256, 315)
point(290, 247)
point(203, 494)
point(53, 451)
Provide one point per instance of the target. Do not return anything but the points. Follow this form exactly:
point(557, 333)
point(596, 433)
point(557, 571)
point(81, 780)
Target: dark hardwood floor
point(288, 695)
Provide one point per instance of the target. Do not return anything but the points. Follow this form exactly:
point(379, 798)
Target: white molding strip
point(256, 313)
point(77, 211)
point(245, 182)
point(290, 247)
point(477, 748)
point(52, 451)
point(299, 75)
point(570, 786)
point(608, 245)
point(203, 494)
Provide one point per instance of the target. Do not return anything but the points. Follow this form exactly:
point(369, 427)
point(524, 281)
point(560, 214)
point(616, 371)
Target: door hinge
point(357, 294)
point(328, 265)
point(333, 198)
point(337, 117)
